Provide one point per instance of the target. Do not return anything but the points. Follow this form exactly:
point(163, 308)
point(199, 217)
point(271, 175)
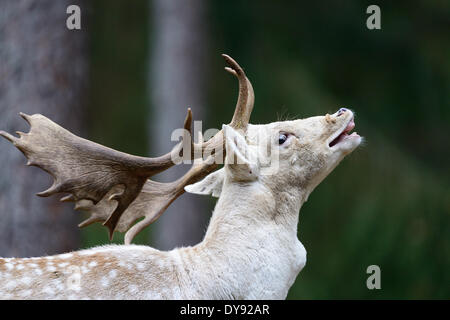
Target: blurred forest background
point(126, 78)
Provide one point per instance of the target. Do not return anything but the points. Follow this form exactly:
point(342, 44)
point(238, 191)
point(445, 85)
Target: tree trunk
point(43, 69)
point(177, 80)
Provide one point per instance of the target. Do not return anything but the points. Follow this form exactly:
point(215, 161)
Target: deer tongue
point(344, 133)
point(349, 127)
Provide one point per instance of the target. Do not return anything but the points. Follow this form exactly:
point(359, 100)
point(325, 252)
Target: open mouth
point(344, 134)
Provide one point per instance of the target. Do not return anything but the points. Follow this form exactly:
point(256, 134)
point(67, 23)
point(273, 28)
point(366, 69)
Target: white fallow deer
point(250, 249)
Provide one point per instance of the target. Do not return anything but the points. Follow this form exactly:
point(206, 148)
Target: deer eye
point(282, 138)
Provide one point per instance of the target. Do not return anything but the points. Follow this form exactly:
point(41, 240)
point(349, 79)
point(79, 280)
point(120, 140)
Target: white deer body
point(249, 258)
point(250, 249)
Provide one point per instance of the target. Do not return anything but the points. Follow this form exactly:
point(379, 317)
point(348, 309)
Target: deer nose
point(341, 111)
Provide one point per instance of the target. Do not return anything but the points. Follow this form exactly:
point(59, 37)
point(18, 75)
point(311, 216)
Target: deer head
point(284, 156)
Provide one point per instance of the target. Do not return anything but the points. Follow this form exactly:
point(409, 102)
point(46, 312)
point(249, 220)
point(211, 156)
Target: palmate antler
point(84, 169)
point(113, 186)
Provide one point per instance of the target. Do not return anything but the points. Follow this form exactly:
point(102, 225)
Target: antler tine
point(159, 196)
point(242, 112)
point(244, 104)
point(152, 166)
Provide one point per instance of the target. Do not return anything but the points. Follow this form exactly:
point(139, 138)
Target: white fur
point(250, 250)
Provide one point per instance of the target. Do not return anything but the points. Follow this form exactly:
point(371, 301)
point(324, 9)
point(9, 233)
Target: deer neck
point(245, 208)
point(253, 232)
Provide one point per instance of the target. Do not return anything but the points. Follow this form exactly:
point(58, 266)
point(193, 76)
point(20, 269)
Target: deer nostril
point(341, 111)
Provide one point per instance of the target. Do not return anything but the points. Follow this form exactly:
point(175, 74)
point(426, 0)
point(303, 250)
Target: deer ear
point(241, 158)
point(210, 185)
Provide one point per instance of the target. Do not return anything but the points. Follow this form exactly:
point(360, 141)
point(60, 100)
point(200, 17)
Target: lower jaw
point(342, 137)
